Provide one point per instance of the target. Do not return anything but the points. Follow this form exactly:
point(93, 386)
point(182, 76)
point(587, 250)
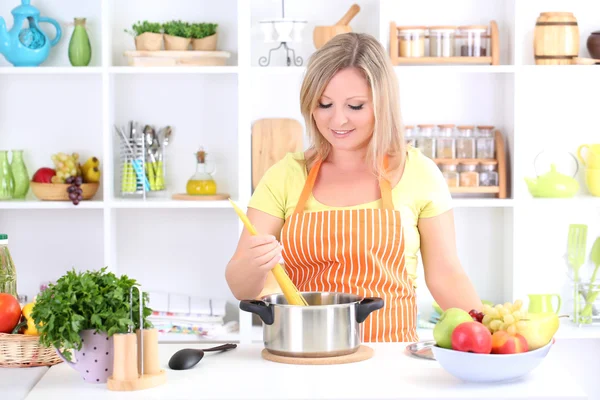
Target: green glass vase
point(7, 183)
point(20, 175)
point(80, 49)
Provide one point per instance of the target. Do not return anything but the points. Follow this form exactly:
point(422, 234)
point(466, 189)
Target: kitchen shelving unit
point(505, 245)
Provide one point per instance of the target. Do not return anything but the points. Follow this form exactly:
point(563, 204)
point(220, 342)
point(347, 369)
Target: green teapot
point(553, 184)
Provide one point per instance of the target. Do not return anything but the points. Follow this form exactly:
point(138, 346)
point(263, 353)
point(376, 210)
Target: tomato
point(10, 312)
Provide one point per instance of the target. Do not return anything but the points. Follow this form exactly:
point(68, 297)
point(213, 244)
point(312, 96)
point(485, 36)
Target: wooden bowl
point(58, 191)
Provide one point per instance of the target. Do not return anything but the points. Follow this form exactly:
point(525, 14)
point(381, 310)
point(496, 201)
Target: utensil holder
point(583, 310)
point(138, 177)
point(136, 364)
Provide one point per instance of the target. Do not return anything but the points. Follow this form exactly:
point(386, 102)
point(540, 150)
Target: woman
point(350, 213)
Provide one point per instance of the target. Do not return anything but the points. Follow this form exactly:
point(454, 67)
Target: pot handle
point(260, 308)
point(366, 307)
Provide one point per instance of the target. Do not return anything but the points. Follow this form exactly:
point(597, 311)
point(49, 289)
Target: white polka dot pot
point(95, 359)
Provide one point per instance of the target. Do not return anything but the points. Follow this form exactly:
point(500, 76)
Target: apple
point(472, 337)
point(43, 175)
point(506, 343)
point(450, 319)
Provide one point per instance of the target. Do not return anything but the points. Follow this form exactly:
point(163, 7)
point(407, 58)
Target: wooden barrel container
point(556, 38)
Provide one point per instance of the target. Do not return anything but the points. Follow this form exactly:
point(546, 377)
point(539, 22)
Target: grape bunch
point(66, 166)
point(504, 317)
point(74, 189)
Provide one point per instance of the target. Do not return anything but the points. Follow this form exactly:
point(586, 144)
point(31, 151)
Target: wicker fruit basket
point(58, 191)
point(23, 351)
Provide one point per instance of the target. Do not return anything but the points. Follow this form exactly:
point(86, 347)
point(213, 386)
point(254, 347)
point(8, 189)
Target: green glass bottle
point(80, 50)
point(20, 175)
point(7, 182)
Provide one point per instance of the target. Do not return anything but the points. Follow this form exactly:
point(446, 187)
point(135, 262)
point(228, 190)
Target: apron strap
point(384, 186)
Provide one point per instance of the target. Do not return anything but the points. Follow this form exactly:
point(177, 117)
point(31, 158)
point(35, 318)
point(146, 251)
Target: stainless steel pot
point(329, 326)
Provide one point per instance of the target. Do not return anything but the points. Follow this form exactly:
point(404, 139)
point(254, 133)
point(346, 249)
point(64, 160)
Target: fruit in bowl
point(449, 320)
point(500, 342)
point(69, 180)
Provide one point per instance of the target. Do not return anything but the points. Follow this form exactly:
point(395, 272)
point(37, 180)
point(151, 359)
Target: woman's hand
point(255, 256)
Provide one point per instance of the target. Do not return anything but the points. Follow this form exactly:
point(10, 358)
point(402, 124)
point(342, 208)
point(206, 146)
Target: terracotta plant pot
point(208, 43)
point(176, 43)
point(149, 41)
point(593, 44)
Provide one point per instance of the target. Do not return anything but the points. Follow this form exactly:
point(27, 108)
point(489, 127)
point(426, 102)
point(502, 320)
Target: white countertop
point(242, 374)
point(15, 383)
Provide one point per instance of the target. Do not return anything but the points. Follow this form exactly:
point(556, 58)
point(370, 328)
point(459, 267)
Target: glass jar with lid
point(450, 173)
point(411, 41)
point(485, 142)
point(442, 41)
point(468, 175)
point(465, 142)
point(473, 40)
point(410, 135)
point(444, 146)
point(488, 176)
point(426, 140)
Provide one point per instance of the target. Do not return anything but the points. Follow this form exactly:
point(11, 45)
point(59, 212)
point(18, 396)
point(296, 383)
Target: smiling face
point(344, 114)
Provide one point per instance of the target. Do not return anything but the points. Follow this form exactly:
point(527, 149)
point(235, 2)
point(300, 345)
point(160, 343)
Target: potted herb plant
point(81, 312)
point(148, 35)
point(178, 35)
point(204, 36)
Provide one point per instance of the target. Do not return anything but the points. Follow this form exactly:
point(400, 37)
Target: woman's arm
point(247, 272)
point(444, 275)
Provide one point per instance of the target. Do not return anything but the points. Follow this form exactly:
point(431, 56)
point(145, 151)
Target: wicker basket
point(58, 191)
point(23, 351)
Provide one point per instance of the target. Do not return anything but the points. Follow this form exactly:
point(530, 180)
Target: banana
point(92, 175)
point(90, 163)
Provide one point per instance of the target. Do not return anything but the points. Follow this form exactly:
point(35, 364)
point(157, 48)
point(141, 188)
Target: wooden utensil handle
point(351, 13)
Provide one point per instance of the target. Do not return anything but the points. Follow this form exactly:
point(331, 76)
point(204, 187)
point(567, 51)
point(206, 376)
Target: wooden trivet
point(363, 353)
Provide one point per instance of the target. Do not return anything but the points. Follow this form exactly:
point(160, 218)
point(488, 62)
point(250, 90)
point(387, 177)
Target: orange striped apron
point(358, 251)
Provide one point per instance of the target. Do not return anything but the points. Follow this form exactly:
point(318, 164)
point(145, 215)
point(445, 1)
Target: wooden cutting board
point(272, 139)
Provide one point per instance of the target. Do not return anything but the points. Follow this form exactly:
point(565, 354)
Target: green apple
point(450, 319)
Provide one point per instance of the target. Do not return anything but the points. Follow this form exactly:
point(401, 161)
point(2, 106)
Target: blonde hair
point(362, 51)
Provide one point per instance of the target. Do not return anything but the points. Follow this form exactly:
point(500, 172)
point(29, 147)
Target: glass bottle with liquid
point(8, 273)
point(202, 182)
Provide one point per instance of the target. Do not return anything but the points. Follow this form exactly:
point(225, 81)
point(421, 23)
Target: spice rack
point(481, 170)
point(411, 47)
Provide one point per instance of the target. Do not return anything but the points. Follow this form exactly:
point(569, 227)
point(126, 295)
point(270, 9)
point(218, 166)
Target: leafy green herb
point(202, 30)
point(143, 27)
point(97, 300)
point(178, 28)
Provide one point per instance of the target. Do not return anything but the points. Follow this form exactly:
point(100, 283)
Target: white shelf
point(478, 203)
point(50, 70)
point(168, 204)
point(174, 70)
point(426, 69)
point(50, 205)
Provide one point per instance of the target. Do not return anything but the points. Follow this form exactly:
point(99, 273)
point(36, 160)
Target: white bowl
point(472, 367)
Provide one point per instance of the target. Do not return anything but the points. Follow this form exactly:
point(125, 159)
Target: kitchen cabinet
point(184, 246)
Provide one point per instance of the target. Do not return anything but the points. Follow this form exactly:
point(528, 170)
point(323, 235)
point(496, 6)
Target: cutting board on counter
point(272, 139)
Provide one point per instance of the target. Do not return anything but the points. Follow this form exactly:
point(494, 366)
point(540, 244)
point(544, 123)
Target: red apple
point(472, 337)
point(505, 343)
point(43, 175)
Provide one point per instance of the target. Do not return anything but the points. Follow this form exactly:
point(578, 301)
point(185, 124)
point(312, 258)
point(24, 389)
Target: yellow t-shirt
point(422, 192)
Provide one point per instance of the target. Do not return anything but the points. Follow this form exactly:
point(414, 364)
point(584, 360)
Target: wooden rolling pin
point(291, 293)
